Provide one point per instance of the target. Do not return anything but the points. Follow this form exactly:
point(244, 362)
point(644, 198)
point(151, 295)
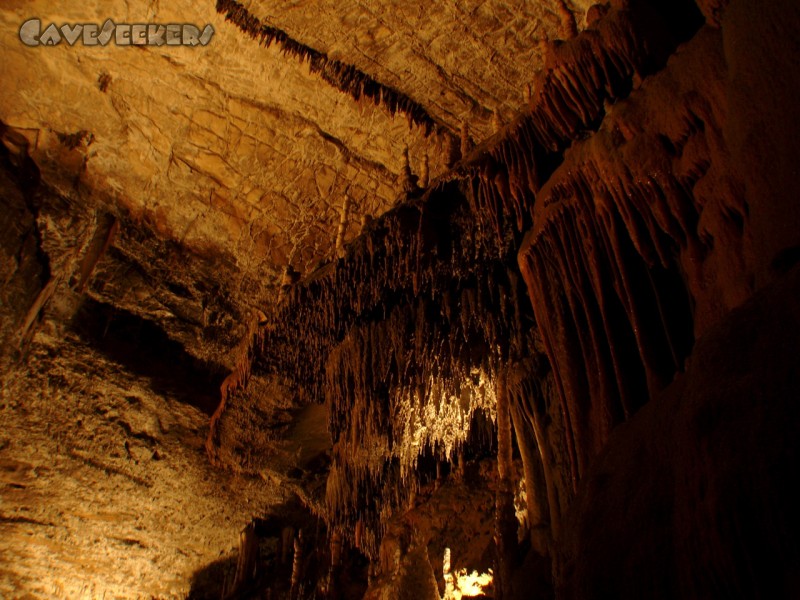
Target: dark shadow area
point(696, 497)
point(285, 554)
point(145, 350)
point(209, 582)
point(786, 259)
point(24, 267)
point(682, 17)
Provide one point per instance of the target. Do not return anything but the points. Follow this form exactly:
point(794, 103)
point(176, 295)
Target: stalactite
point(340, 233)
point(423, 312)
point(25, 329)
point(497, 123)
point(466, 141)
point(614, 249)
point(336, 549)
point(408, 181)
point(235, 381)
point(540, 491)
point(424, 172)
point(104, 235)
point(505, 519)
point(452, 151)
point(344, 77)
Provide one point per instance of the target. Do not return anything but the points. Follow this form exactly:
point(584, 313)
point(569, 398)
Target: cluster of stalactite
point(581, 76)
point(422, 247)
point(409, 326)
point(344, 77)
point(619, 263)
point(409, 385)
point(411, 336)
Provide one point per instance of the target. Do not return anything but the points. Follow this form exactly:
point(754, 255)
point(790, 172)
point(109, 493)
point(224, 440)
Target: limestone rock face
point(238, 153)
point(171, 189)
point(710, 453)
point(214, 143)
point(236, 148)
point(461, 61)
point(409, 299)
point(104, 487)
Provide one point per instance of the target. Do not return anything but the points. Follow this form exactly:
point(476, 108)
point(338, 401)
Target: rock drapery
point(373, 317)
point(530, 335)
point(636, 245)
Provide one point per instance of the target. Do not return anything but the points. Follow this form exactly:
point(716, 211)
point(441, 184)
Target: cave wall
point(576, 343)
point(624, 197)
point(647, 238)
point(643, 239)
point(694, 490)
point(695, 496)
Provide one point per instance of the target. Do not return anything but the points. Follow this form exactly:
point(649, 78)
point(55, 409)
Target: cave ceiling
point(375, 288)
point(165, 191)
point(241, 150)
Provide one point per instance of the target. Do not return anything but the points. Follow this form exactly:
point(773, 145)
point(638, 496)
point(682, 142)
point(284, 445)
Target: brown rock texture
point(105, 488)
point(396, 300)
point(695, 497)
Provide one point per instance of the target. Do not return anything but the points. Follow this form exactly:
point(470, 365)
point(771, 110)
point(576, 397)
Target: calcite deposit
point(399, 300)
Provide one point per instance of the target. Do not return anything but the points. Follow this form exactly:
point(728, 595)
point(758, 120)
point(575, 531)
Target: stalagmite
point(247, 561)
point(449, 579)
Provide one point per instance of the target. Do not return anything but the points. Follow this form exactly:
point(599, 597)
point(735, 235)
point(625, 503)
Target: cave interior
point(401, 300)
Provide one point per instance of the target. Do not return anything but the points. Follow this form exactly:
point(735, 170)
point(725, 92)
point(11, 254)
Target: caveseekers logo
point(122, 34)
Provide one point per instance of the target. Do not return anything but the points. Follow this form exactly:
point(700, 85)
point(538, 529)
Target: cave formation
point(402, 300)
